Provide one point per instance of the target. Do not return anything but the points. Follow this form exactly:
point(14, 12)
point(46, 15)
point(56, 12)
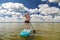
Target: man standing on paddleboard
point(27, 21)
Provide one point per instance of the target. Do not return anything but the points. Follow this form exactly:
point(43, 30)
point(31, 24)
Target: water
point(45, 31)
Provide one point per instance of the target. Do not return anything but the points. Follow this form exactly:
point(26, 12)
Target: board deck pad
point(25, 32)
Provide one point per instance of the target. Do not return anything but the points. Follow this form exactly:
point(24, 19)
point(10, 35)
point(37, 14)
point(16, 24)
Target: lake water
point(44, 31)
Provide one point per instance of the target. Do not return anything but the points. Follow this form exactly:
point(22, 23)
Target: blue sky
point(27, 3)
point(30, 3)
point(4, 1)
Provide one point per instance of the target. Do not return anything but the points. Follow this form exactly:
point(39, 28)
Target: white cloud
point(33, 10)
point(14, 6)
point(43, 6)
point(14, 18)
point(0, 7)
point(59, 4)
point(57, 19)
point(54, 0)
point(40, 18)
point(48, 10)
point(43, 0)
point(48, 18)
point(1, 19)
point(35, 18)
point(3, 11)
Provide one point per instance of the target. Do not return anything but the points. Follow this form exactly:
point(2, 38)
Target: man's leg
point(25, 25)
point(28, 26)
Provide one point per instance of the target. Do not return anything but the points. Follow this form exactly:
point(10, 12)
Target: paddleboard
point(25, 32)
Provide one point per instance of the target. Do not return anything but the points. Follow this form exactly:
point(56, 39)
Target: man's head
point(26, 13)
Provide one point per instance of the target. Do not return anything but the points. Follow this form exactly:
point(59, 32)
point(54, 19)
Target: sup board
point(25, 32)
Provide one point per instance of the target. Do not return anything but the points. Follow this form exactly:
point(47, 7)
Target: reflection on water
point(45, 31)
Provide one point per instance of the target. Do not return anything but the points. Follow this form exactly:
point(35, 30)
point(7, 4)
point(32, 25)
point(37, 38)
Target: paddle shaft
point(33, 28)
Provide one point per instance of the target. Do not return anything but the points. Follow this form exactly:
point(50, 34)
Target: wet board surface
point(25, 32)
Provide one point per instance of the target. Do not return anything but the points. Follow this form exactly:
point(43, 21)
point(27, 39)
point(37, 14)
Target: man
point(27, 20)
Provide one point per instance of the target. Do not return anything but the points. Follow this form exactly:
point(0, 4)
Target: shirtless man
point(27, 20)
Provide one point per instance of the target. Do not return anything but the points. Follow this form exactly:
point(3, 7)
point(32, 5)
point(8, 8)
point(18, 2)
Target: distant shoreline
point(30, 22)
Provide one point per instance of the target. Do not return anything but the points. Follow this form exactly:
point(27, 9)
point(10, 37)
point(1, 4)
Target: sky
point(31, 3)
point(27, 3)
point(43, 10)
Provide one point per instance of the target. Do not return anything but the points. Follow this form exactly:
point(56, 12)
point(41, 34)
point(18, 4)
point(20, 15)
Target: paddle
point(33, 28)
